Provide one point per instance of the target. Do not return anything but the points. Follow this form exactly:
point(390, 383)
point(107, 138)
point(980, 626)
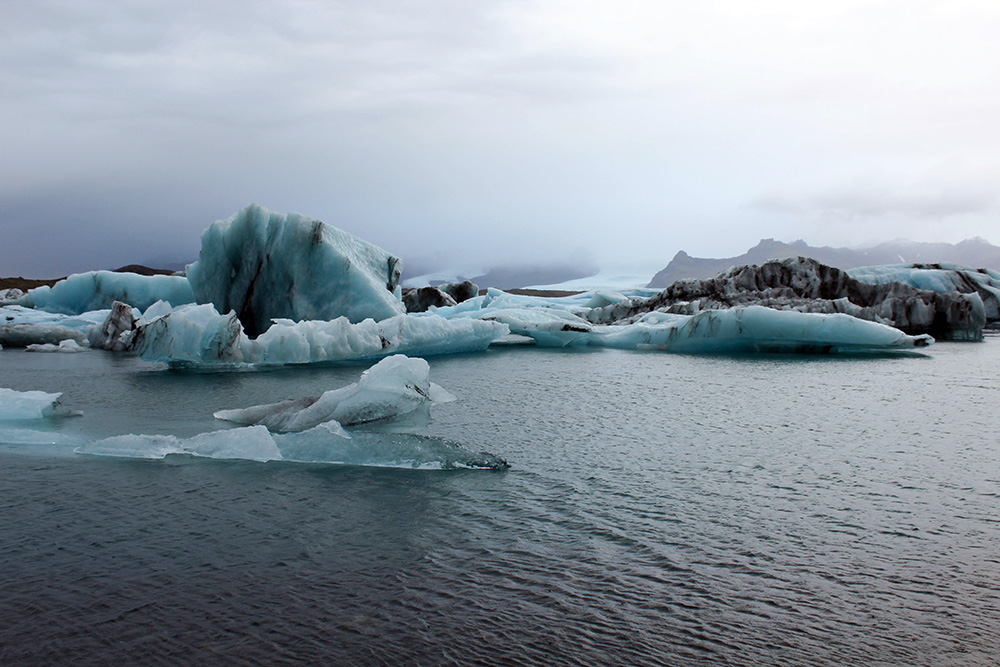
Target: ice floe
point(68, 346)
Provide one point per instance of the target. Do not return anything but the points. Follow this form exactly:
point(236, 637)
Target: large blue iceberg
point(97, 290)
point(265, 265)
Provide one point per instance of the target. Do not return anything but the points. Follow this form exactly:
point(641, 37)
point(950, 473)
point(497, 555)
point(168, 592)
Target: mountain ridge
point(974, 253)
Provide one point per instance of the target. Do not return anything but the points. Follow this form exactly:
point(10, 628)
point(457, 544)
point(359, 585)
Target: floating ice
point(805, 285)
point(758, 329)
point(68, 346)
point(266, 265)
point(108, 335)
point(325, 443)
point(21, 405)
point(20, 326)
point(747, 329)
point(200, 336)
point(396, 389)
point(189, 334)
point(97, 290)
point(941, 278)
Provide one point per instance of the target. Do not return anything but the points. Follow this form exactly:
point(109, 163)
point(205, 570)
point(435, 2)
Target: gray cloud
point(484, 131)
point(867, 203)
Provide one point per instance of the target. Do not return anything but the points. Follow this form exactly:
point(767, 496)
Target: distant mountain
point(976, 253)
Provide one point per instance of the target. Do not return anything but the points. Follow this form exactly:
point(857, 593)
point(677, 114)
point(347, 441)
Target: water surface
point(660, 509)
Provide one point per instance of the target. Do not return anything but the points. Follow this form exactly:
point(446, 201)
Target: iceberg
point(121, 319)
point(940, 278)
point(30, 405)
point(759, 329)
point(734, 330)
point(802, 284)
point(265, 265)
point(200, 336)
point(97, 290)
point(25, 334)
point(21, 326)
point(396, 389)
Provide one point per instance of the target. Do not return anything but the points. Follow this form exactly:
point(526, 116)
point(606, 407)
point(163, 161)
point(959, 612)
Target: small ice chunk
point(18, 405)
point(68, 346)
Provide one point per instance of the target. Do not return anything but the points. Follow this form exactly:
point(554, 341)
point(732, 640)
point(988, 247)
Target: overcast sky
point(469, 132)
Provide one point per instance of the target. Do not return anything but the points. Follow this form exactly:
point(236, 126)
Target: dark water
point(660, 509)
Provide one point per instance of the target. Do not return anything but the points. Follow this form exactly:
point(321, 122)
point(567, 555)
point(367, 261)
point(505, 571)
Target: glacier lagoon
point(659, 509)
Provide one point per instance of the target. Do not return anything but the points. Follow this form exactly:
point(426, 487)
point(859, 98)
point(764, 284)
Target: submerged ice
point(326, 443)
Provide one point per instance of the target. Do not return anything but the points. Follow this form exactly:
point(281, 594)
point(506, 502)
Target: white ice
point(29, 405)
point(199, 335)
point(68, 346)
point(396, 389)
point(267, 265)
point(97, 290)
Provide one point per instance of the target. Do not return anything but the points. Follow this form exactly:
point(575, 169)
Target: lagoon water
point(659, 509)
